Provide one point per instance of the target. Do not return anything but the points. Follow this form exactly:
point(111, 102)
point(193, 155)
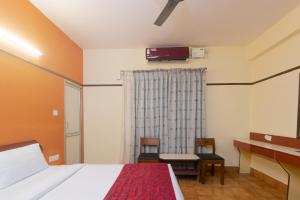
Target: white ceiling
point(129, 23)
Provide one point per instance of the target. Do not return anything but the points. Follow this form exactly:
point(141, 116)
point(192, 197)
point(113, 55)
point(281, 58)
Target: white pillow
point(17, 164)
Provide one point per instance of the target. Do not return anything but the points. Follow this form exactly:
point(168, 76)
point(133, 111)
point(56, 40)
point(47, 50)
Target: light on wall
point(18, 42)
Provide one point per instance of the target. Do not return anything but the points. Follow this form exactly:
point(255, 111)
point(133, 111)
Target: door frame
point(74, 85)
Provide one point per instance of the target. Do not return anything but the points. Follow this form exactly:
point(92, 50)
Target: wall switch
point(268, 137)
point(55, 113)
point(54, 158)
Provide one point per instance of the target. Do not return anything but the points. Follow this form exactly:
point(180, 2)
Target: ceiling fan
point(168, 9)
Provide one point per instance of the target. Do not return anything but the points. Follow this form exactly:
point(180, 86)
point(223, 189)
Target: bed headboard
point(17, 145)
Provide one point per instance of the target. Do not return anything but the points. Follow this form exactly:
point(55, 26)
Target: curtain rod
point(121, 71)
point(159, 69)
point(147, 70)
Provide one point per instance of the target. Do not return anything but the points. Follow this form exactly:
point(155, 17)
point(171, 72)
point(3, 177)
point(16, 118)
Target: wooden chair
point(149, 157)
point(209, 158)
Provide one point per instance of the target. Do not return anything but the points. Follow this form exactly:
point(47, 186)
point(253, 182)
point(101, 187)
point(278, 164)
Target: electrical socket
point(54, 158)
point(268, 137)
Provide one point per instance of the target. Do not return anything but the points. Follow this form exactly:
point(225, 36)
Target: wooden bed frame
point(17, 145)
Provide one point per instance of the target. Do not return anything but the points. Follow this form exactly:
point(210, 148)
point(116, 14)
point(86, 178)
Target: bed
point(24, 174)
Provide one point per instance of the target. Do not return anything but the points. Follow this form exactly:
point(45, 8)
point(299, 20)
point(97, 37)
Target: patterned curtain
point(170, 105)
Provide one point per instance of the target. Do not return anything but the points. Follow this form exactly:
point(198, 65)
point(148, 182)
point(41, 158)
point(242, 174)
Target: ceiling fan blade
point(171, 5)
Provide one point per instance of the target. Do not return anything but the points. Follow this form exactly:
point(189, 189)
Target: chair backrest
point(149, 142)
point(204, 142)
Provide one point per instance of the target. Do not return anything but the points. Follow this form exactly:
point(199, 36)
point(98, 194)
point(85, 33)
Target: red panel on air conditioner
point(172, 53)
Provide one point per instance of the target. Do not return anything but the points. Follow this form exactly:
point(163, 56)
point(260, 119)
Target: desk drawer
point(263, 151)
point(287, 158)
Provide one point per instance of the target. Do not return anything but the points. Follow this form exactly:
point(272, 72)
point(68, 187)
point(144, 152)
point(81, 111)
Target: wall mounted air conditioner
point(167, 53)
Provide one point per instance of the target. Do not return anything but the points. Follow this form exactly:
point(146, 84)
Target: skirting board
point(269, 180)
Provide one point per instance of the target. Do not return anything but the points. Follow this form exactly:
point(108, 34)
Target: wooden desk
point(277, 152)
point(182, 158)
point(286, 151)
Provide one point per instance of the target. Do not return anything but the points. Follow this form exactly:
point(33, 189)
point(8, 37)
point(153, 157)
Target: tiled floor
point(237, 187)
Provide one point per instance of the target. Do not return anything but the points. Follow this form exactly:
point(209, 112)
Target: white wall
point(227, 106)
point(274, 103)
point(102, 124)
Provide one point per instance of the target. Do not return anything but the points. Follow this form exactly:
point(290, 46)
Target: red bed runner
point(143, 182)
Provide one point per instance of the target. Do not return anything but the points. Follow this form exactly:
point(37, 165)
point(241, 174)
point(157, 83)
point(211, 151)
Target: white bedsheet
point(39, 184)
point(74, 182)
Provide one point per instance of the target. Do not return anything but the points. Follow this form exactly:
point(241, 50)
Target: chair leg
point(203, 166)
point(222, 173)
point(212, 169)
point(198, 167)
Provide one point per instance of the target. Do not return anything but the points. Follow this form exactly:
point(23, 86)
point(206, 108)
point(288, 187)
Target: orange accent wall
point(29, 94)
